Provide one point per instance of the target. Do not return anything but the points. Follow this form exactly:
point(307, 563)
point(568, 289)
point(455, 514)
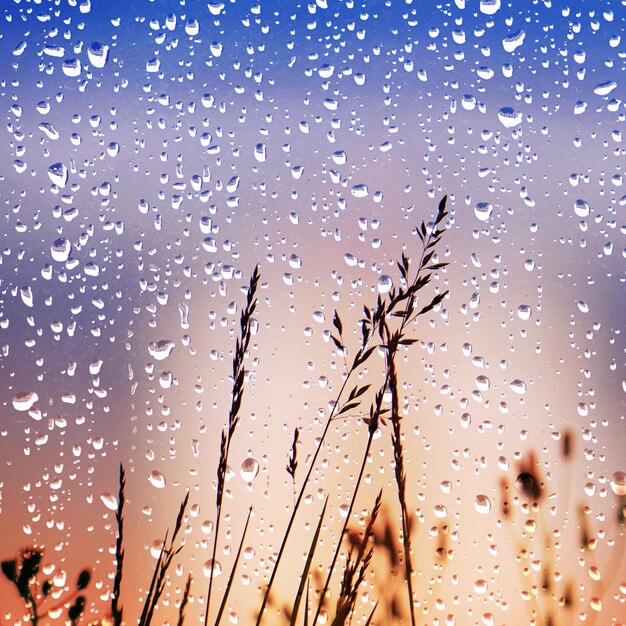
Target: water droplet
point(339, 157)
point(249, 469)
point(58, 174)
point(530, 525)
point(212, 568)
point(483, 211)
point(482, 504)
point(605, 88)
point(509, 117)
point(61, 249)
point(98, 54)
point(155, 548)
point(489, 7)
point(161, 349)
point(581, 208)
point(25, 400)
point(71, 67)
point(483, 383)
point(318, 316)
point(618, 483)
point(360, 190)
point(513, 41)
point(594, 573)
point(109, 500)
point(518, 386)
point(385, 283)
point(157, 479)
point(260, 152)
point(440, 511)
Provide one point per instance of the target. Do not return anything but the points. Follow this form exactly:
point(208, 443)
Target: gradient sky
point(312, 139)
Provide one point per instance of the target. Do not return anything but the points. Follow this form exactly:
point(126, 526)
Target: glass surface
point(156, 152)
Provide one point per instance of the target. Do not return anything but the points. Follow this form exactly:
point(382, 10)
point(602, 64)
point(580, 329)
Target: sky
point(156, 152)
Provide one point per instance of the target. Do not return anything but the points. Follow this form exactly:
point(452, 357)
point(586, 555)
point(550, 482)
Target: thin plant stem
point(183, 603)
point(231, 577)
point(375, 413)
point(400, 476)
point(297, 506)
point(116, 608)
point(239, 374)
point(304, 578)
point(168, 552)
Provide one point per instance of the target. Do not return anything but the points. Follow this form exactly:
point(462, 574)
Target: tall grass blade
point(153, 582)
point(183, 603)
point(304, 577)
point(232, 571)
point(116, 607)
point(398, 457)
point(369, 619)
point(306, 605)
point(239, 375)
point(168, 552)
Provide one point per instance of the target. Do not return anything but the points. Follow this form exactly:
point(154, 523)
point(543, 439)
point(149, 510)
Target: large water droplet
point(482, 504)
point(618, 483)
point(157, 479)
point(212, 568)
point(514, 40)
point(249, 469)
point(509, 117)
point(109, 500)
point(518, 386)
point(57, 173)
point(161, 349)
point(61, 249)
point(581, 208)
point(385, 283)
point(25, 400)
point(483, 211)
point(98, 54)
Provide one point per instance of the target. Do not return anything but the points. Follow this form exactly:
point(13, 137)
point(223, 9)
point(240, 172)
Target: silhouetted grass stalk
point(375, 414)
point(116, 607)
point(239, 374)
point(304, 577)
point(168, 552)
point(231, 576)
point(393, 341)
point(355, 570)
point(183, 603)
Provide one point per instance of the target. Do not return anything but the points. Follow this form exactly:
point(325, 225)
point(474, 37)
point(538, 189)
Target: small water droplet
point(482, 504)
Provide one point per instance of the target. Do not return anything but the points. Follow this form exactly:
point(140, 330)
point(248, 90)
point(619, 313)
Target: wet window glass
point(312, 312)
